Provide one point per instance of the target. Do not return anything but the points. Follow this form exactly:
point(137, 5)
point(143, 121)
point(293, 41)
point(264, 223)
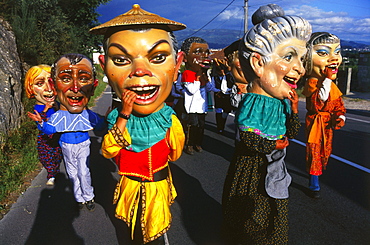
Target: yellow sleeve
point(114, 141)
point(176, 139)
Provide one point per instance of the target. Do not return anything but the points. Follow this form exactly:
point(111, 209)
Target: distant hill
point(356, 45)
point(220, 38)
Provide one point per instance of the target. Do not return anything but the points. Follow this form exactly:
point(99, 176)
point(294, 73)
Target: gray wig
point(271, 28)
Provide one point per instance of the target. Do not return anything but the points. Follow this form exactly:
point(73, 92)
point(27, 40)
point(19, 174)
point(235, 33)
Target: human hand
point(48, 105)
point(339, 123)
point(35, 117)
point(281, 144)
point(128, 98)
point(294, 99)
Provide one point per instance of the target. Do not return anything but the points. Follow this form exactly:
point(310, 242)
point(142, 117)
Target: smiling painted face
point(144, 62)
point(74, 84)
point(43, 89)
point(326, 58)
point(198, 57)
point(281, 74)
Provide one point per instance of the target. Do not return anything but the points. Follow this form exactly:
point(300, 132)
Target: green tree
point(46, 29)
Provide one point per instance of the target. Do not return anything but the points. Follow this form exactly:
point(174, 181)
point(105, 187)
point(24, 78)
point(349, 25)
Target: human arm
point(41, 125)
point(338, 118)
point(118, 136)
point(211, 86)
point(96, 121)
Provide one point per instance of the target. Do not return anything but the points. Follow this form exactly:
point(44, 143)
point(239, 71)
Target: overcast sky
point(348, 19)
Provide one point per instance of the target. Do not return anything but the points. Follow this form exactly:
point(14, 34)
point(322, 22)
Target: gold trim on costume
point(118, 137)
point(163, 192)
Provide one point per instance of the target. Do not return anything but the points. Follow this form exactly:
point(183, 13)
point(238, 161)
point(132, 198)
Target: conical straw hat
point(138, 18)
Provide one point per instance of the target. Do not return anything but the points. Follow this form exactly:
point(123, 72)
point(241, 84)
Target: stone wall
point(11, 108)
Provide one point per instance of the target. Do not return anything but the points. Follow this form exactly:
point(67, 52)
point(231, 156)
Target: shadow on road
point(55, 213)
point(104, 183)
point(201, 214)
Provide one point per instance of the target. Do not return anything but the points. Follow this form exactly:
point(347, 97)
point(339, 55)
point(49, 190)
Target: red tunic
point(145, 163)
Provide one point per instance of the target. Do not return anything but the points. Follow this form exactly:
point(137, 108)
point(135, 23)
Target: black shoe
point(198, 148)
point(90, 205)
point(189, 150)
point(315, 194)
point(80, 205)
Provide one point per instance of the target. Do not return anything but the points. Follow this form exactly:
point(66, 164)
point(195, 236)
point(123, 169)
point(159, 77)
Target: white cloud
point(339, 23)
point(235, 13)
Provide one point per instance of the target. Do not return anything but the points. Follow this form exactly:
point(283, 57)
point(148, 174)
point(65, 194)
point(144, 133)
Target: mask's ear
point(257, 64)
point(102, 61)
point(179, 60)
point(52, 84)
point(95, 84)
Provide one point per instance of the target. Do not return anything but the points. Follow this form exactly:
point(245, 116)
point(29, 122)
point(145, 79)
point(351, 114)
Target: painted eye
point(121, 61)
point(65, 79)
point(288, 57)
point(85, 79)
point(322, 52)
point(160, 58)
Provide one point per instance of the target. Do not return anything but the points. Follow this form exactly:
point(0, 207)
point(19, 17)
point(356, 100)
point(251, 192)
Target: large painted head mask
point(140, 55)
point(74, 78)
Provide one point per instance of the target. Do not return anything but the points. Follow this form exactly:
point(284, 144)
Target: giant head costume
point(271, 53)
point(38, 85)
point(140, 56)
point(75, 82)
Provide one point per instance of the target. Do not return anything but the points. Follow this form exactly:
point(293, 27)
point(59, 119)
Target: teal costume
point(251, 214)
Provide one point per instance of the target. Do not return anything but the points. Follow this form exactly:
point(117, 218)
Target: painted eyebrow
point(291, 49)
point(158, 43)
point(84, 71)
point(79, 71)
point(120, 47)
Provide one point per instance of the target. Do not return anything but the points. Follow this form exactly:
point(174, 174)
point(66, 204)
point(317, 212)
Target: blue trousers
point(314, 184)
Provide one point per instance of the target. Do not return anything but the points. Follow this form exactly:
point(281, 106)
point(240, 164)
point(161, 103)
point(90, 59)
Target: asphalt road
point(44, 215)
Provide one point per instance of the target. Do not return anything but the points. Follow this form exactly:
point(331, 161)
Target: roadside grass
point(18, 153)
point(100, 88)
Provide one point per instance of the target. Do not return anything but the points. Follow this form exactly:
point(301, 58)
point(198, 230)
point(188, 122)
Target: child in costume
point(255, 198)
point(324, 104)
point(38, 86)
point(196, 85)
point(144, 133)
point(74, 79)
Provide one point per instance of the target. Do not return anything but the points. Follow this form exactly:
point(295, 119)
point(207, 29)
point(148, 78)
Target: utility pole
point(245, 16)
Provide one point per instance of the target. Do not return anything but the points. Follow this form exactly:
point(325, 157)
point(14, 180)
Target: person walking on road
point(196, 85)
point(38, 86)
point(144, 133)
point(75, 82)
point(324, 103)
point(255, 198)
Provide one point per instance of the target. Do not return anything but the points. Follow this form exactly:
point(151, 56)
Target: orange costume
point(320, 122)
